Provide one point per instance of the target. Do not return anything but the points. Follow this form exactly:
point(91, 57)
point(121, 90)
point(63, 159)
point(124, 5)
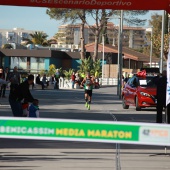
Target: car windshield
point(147, 81)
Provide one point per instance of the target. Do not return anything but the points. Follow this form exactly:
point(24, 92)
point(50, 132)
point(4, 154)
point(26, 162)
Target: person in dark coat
point(161, 96)
point(16, 96)
point(39, 82)
point(14, 78)
point(2, 77)
point(6, 75)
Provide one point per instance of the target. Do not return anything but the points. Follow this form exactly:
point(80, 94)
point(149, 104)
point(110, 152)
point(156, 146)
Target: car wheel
point(138, 108)
point(124, 103)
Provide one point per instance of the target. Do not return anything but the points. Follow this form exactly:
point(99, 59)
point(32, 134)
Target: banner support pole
point(162, 41)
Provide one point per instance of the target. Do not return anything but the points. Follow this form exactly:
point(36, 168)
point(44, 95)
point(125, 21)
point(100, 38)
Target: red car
point(139, 92)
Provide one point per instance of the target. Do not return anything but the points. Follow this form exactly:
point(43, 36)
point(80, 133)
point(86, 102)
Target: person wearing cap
point(88, 83)
point(21, 93)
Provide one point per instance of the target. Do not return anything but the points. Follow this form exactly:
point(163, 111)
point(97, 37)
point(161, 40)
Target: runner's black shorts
point(89, 92)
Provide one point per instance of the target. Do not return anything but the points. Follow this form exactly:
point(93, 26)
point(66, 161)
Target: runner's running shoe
point(88, 107)
point(86, 104)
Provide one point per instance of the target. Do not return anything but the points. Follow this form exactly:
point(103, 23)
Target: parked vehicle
point(139, 91)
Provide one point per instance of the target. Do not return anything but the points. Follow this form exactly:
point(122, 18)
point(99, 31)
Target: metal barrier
point(108, 81)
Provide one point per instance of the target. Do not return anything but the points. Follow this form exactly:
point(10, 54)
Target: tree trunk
point(166, 23)
point(95, 57)
point(98, 29)
point(82, 42)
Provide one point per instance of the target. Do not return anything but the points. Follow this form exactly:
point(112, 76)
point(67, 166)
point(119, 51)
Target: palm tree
point(97, 69)
point(85, 66)
point(67, 74)
point(52, 69)
point(39, 38)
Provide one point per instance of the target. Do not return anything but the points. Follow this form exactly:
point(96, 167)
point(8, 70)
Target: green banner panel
point(81, 130)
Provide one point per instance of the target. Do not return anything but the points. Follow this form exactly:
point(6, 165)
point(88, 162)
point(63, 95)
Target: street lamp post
point(120, 54)
point(120, 59)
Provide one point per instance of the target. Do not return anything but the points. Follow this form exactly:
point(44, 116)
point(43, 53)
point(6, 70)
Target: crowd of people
point(19, 95)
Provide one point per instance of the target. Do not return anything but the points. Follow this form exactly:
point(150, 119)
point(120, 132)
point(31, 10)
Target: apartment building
point(15, 35)
point(133, 37)
point(70, 34)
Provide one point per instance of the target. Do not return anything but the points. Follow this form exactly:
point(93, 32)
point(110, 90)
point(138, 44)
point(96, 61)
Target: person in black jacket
point(6, 75)
point(161, 96)
point(39, 82)
point(21, 92)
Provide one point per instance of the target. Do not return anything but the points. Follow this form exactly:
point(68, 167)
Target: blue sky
point(33, 18)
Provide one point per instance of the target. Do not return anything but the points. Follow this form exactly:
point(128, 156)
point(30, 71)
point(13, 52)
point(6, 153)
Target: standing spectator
point(20, 93)
point(39, 82)
point(57, 76)
point(126, 78)
point(45, 81)
point(14, 78)
point(96, 78)
point(2, 77)
point(6, 78)
point(2, 81)
point(161, 96)
point(77, 77)
point(73, 78)
point(52, 79)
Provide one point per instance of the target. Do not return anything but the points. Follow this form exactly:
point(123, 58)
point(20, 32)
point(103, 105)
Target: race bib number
point(87, 87)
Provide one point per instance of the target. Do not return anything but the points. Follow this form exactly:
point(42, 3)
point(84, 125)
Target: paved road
point(62, 155)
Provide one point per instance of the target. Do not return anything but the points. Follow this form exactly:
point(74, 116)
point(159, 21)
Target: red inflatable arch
point(94, 4)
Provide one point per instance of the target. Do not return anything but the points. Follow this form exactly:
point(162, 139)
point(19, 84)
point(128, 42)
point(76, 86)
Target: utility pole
point(151, 47)
point(120, 54)
point(120, 59)
point(162, 41)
